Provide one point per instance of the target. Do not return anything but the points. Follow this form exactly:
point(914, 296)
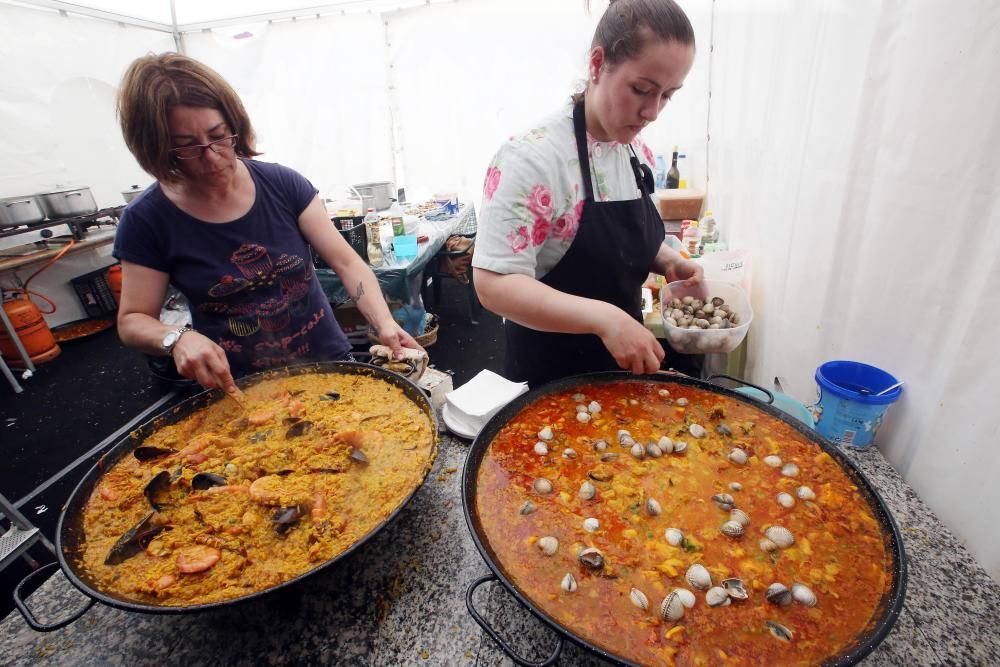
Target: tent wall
point(854, 152)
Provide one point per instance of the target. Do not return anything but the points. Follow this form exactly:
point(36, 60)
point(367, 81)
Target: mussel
point(330, 396)
point(145, 453)
point(298, 429)
point(135, 540)
point(286, 518)
point(160, 491)
point(206, 480)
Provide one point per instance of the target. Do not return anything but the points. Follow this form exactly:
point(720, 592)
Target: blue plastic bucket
point(847, 411)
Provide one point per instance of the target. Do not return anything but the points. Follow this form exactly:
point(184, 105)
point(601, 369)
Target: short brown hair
point(627, 25)
point(152, 87)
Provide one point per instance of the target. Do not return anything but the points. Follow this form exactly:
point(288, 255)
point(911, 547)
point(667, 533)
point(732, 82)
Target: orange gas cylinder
point(114, 278)
point(30, 326)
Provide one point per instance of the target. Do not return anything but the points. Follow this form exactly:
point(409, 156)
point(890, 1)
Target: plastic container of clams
point(701, 337)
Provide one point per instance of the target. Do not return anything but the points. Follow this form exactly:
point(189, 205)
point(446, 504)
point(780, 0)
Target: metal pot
point(16, 211)
point(70, 536)
point(885, 615)
point(68, 203)
point(129, 195)
point(381, 193)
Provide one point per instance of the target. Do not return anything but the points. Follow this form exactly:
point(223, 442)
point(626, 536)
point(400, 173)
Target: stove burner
point(78, 224)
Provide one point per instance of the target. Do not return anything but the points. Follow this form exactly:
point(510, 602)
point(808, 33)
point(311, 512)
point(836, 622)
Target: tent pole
point(178, 42)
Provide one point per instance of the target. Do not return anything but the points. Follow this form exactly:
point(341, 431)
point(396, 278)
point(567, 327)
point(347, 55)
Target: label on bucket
point(847, 422)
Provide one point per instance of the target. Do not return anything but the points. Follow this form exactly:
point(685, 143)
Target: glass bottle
point(374, 242)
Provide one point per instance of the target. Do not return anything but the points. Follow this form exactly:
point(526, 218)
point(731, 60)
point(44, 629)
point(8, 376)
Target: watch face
point(170, 339)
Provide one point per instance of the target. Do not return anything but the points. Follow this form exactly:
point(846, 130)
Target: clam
point(735, 486)
point(740, 517)
point(680, 447)
point(639, 599)
point(785, 499)
point(732, 528)
point(725, 501)
point(638, 451)
point(717, 301)
point(687, 300)
point(568, 583)
point(594, 407)
point(663, 393)
point(602, 474)
point(591, 524)
point(588, 491)
point(541, 448)
point(545, 433)
point(790, 470)
point(767, 545)
point(735, 588)
point(579, 398)
point(542, 486)
point(674, 536)
point(625, 438)
point(592, 558)
point(583, 417)
point(581, 407)
point(686, 597)
point(805, 493)
point(717, 597)
point(665, 444)
point(780, 535)
point(548, 545)
point(527, 508)
point(600, 445)
point(653, 450)
point(803, 595)
point(697, 430)
point(698, 576)
point(722, 429)
point(206, 480)
point(569, 453)
point(738, 456)
point(778, 594)
point(779, 631)
point(672, 607)
point(773, 461)
point(653, 507)
point(607, 457)
point(682, 402)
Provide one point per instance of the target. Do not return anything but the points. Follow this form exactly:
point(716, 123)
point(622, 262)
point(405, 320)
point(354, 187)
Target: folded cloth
point(482, 396)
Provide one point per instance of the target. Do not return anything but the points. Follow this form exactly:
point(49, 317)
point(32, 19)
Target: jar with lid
point(692, 238)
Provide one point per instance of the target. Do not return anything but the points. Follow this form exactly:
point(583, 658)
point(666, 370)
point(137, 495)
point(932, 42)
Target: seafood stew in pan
point(667, 524)
point(228, 502)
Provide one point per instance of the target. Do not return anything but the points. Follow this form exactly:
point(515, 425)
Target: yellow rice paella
point(231, 501)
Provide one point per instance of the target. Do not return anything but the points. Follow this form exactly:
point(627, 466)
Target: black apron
point(608, 260)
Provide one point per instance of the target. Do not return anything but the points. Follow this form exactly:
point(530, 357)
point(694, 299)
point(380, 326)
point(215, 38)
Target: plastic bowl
point(706, 341)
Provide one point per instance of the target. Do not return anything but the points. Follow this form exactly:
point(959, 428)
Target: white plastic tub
point(706, 341)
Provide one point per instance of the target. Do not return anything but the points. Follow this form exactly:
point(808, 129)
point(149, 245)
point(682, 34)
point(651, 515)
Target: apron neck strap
point(643, 176)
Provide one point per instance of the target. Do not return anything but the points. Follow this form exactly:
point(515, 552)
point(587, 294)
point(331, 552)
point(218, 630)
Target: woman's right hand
point(200, 359)
point(633, 346)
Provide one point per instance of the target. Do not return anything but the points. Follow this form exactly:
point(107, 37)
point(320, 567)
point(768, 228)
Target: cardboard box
point(680, 204)
point(437, 384)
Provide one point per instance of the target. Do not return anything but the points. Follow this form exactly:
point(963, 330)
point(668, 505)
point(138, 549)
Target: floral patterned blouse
point(534, 194)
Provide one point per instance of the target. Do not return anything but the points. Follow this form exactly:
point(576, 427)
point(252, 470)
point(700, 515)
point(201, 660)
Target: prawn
point(197, 558)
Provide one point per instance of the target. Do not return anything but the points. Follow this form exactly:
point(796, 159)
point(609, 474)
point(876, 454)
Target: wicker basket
point(426, 339)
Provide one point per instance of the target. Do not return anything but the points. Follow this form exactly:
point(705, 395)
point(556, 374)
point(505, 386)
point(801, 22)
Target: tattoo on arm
point(360, 293)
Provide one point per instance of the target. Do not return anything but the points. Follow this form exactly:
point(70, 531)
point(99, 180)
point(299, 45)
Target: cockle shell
point(674, 536)
point(663, 392)
point(740, 517)
point(527, 508)
point(581, 407)
point(773, 461)
point(717, 597)
point(653, 507)
point(666, 445)
point(541, 448)
point(594, 407)
point(600, 445)
point(542, 485)
point(767, 545)
point(698, 576)
point(682, 401)
point(735, 589)
point(588, 491)
point(583, 417)
point(569, 453)
point(735, 486)
point(779, 631)
point(724, 501)
point(639, 599)
point(780, 535)
point(785, 500)
point(697, 430)
point(778, 594)
point(654, 450)
point(579, 397)
point(803, 595)
point(638, 451)
point(738, 456)
point(568, 583)
point(732, 528)
point(591, 524)
point(680, 447)
point(790, 470)
point(592, 558)
point(624, 437)
point(545, 433)
point(686, 597)
point(672, 607)
point(549, 545)
point(805, 493)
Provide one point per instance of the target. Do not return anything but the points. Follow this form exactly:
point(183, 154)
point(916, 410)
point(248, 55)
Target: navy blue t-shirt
point(250, 282)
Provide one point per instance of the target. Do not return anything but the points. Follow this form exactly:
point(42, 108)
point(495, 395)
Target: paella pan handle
point(770, 396)
point(30, 618)
point(484, 624)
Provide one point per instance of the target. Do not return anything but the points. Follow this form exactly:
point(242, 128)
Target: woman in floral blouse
point(568, 231)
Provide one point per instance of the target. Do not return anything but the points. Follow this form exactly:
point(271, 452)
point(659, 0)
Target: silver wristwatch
point(170, 340)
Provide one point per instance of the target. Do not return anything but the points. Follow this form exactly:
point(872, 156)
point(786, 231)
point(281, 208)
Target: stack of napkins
point(468, 408)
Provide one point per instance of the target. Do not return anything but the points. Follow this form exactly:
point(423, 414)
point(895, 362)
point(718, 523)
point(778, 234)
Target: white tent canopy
point(847, 145)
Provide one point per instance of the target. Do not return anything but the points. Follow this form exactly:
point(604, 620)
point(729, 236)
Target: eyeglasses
point(196, 151)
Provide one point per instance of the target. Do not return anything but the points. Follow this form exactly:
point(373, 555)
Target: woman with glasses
point(233, 234)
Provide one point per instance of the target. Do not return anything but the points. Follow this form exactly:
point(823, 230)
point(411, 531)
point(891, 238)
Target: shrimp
point(107, 494)
point(319, 509)
point(164, 582)
point(197, 558)
point(274, 490)
point(259, 417)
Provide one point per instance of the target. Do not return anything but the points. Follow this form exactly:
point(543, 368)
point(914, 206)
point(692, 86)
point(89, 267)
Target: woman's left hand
point(395, 338)
point(684, 269)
